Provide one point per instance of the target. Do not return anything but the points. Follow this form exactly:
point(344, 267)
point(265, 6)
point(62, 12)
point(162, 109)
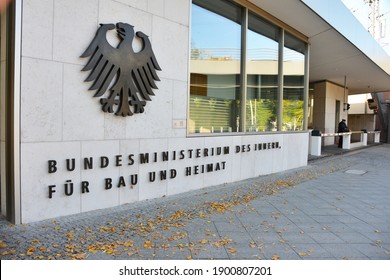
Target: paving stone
point(354, 237)
point(344, 251)
point(312, 252)
point(279, 252)
point(325, 237)
point(298, 238)
point(99, 256)
point(372, 251)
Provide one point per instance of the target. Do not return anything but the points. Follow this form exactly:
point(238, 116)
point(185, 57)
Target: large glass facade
point(235, 72)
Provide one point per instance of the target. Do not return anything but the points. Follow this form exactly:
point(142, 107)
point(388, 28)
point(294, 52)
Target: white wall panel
point(35, 181)
point(37, 28)
point(74, 23)
point(83, 118)
point(41, 100)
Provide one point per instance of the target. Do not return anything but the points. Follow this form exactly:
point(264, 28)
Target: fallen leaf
point(107, 229)
point(284, 183)
point(79, 256)
point(8, 252)
point(70, 235)
point(2, 245)
point(31, 251)
point(219, 207)
point(92, 250)
point(148, 244)
point(176, 215)
point(128, 243)
point(232, 250)
point(88, 229)
point(178, 236)
point(43, 249)
point(252, 244)
point(221, 242)
point(202, 215)
point(275, 257)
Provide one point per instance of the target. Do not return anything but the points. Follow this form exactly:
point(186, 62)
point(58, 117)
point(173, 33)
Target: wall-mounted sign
point(216, 159)
point(134, 73)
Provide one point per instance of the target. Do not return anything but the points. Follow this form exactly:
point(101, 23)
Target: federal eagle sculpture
point(134, 73)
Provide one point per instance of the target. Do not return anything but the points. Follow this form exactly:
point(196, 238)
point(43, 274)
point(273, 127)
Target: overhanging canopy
point(340, 46)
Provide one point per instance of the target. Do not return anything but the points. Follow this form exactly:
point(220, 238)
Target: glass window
point(215, 67)
point(262, 75)
point(293, 83)
point(218, 88)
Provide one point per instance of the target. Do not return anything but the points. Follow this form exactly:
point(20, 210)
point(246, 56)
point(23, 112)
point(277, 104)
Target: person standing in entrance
point(342, 128)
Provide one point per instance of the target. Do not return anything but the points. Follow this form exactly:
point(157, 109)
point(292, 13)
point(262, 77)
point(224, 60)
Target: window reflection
point(262, 79)
point(293, 83)
point(215, 68)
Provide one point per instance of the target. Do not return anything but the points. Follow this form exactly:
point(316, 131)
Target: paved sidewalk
point(335, 208)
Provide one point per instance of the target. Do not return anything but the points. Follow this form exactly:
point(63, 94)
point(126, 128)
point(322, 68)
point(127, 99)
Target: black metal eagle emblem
point(134, 73)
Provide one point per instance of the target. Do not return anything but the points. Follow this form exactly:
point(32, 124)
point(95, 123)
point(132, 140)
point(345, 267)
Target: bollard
point(377, 136)
point(315, 143)
point(364, 137)
point(347, 141)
